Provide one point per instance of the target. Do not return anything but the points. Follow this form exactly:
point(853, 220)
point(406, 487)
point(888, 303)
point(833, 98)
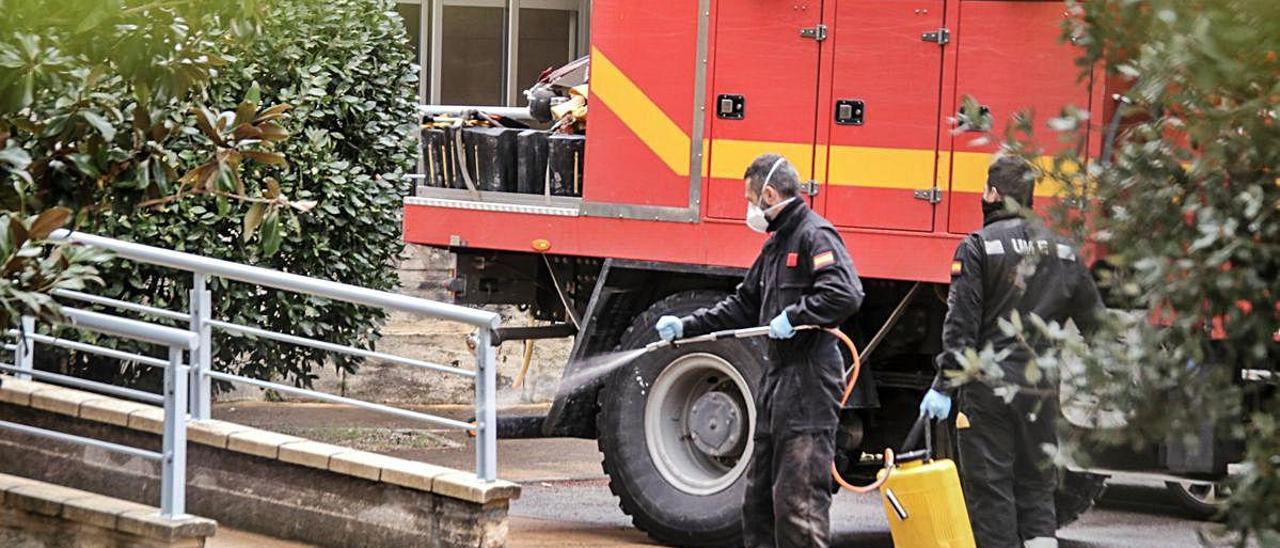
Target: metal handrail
point(78, 382)
point(122, 305)
point(173, 454)
point(387, 409)
point(341, 349)
point(283, 280)
point(93, 349)
point(199, 337)
point(71, 438)
point(133, 329)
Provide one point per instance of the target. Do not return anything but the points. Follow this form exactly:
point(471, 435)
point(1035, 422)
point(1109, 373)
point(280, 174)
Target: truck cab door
point(882, 114)
point(763, 93)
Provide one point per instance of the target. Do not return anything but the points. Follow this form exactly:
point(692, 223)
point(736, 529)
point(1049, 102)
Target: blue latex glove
point(780, 327)
point(669, 328)
point(935, 405)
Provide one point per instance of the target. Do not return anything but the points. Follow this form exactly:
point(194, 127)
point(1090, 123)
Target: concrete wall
point(22, 529)
point(347, 498)
point(44, 515)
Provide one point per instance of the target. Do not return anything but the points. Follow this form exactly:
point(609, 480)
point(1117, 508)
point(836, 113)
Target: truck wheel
point(1200, 499)
point(675, 430)
point(1077, 492)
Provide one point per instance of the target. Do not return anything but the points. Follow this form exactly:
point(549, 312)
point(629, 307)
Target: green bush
point(346, 68)
point(91, 96)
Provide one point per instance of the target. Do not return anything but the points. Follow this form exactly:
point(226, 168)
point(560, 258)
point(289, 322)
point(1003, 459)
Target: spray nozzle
point(656, 345)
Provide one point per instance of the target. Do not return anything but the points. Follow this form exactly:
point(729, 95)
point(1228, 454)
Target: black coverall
point(805, 270)
point(1008, 476)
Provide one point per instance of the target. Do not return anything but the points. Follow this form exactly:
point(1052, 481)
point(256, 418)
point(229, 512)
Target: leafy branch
point(34, 266)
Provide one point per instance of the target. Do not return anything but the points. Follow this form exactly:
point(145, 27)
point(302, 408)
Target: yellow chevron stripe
point(639, 113)
point(877, 167)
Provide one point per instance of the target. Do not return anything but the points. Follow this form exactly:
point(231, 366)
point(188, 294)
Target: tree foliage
point(272, 133)
point(98, 99)
point(34, 266)
point(92, 95)
point(1182, 208)
point(353, 95)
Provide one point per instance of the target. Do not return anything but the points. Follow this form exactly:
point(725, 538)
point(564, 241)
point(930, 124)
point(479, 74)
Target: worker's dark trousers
point(1008, 476)
point(788, 498)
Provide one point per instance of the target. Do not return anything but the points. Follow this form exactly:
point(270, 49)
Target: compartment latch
point(817, 33)
point(941, 36)
point(931, 195)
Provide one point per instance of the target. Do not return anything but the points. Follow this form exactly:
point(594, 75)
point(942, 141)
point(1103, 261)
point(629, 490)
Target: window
point(417, 26)
point(412, 15)
point(472, 57)
point(548, 38)
point(475, 40)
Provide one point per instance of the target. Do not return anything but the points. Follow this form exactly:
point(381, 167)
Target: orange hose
point(848, 390)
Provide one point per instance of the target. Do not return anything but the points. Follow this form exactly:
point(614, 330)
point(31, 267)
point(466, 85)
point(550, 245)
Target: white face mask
point(756, 218)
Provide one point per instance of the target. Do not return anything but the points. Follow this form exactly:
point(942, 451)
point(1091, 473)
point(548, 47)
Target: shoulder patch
point(957, 268)
point(993, 247)
point(826, 258)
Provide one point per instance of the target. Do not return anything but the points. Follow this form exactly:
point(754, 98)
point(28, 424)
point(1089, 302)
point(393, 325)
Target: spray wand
point(746, 333)
point(750, 332)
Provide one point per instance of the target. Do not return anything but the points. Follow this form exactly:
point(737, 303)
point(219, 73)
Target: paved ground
point(584, 513)
point(566, 500)
point(231, 538)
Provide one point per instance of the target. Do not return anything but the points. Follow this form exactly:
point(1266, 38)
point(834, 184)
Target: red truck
point(644, 216)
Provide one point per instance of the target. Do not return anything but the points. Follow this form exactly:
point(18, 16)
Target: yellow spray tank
point(922, 499)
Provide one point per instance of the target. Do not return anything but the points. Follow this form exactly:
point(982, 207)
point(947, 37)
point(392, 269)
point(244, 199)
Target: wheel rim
point(1206, 493)
point(699, 393)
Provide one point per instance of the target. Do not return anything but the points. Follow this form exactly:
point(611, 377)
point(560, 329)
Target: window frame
point(431, 40)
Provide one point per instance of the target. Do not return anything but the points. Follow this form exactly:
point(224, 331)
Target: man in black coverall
point(1005, 447)
point(803, 276)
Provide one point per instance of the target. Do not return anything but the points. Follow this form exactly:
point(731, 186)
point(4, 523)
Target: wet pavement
point(582, 512)
point(585, 513)
point(566, 499)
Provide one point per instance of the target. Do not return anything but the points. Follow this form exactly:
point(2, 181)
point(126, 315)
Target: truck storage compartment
point(531, 145)
point(565, 159)
point(438, 156)
point(491, 154)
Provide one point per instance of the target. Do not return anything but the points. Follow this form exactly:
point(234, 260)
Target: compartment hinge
point(941, 36)
point(811, 187)
point(817, 32)
point(932, 195)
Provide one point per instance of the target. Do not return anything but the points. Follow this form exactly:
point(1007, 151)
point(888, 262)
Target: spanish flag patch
point(826, 258)
point(956, 268)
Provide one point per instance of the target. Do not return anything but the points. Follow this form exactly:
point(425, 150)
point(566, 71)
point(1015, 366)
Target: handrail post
point(25, 349)
point(173, 469)
point(486, 408)
point(202, 357)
